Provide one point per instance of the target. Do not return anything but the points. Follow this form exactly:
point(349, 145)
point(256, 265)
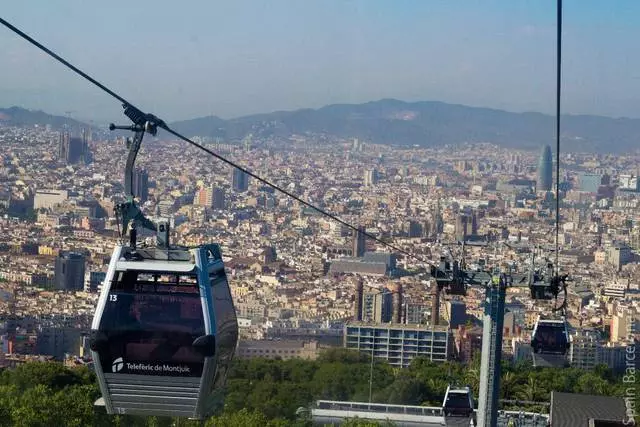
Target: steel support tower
point(493, 323)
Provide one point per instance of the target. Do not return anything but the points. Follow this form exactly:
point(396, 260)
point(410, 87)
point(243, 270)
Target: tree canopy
point(263, 392)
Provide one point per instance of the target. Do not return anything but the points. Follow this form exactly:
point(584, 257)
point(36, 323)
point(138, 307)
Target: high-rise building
point(370, 177)
point(463, 227)
point(457, 313)
point(357, 145)
point(583, 349)
point(377, 306)
point(56, 341)
point(398, 344)
point(618, 255)
point(247, 141)
point(218, 198)
point(96, 279)
point(357, 306)
point(69, 271)
point(414, 228)
point(589, 182)
point(438, 221)
point(86, 153)
point(141, 184)
point(634, 238)
point(468, 342)
point(615, 356)
point(239, 181)
point(63, 146)
point(587, 350)
point(615, 290)
point(165, 208)
point(474, 224)
point(396, 301)
point(545, 170)
point(204, 197)
point(359, 242)
point(73, 149)
point(416, 313)
point(619, 330)
point(629, 182)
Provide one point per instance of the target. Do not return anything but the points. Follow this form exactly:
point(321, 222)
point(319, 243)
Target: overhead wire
point(558, 98)
point(162, 124)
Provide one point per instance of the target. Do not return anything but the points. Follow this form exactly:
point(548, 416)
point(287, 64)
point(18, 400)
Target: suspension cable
point(164, 126)
point(558, 98)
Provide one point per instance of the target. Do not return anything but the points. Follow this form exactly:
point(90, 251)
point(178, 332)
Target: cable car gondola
point(458, 402)
point(550, 342)
point(550, 336)
point(165, 328)
point(547, 286)
point(164, 332)
point(449, 274)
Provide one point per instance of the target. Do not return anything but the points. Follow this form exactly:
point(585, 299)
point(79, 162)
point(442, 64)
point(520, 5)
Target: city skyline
point(293, 272)
point(330, 222)
point(395, 122)
point(232, 60)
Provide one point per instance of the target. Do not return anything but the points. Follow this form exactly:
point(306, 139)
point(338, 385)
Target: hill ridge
point(19, 116)
point(391, 121)
point(429, 123)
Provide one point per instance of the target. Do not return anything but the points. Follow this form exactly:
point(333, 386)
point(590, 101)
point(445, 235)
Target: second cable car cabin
point(458, 402)
point(550, 336)
point(164, 332)
point(550, 343)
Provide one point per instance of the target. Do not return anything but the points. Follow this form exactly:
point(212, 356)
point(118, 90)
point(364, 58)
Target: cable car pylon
point(549, 338)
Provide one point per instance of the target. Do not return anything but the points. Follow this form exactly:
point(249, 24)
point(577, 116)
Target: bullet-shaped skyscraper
point(545, 170)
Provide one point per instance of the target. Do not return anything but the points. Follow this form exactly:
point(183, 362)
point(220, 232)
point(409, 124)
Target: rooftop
point(403, 326)
point(326, 411)
point(571, 410)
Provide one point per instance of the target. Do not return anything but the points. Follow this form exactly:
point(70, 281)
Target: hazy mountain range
point(394, 122)
point(16, 116)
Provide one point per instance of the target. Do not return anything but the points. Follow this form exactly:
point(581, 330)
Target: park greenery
point(263, 392)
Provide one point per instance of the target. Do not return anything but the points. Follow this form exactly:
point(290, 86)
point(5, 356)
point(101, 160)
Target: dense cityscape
point(319, 214)
point(303, 283)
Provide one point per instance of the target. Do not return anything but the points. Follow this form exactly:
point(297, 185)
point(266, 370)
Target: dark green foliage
point(269, 393)
point(54, 375)
point(342, 355)
point(41, 405)
point(245, 418)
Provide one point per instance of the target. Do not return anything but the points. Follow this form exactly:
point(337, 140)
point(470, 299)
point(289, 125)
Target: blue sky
point(200, 57)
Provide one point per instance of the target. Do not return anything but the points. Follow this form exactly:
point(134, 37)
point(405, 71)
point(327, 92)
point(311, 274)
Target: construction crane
point(247, 142)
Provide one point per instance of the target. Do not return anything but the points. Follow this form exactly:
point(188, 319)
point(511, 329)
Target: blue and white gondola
point(164, 332)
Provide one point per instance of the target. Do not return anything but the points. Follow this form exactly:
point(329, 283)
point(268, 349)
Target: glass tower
point(545, 170)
